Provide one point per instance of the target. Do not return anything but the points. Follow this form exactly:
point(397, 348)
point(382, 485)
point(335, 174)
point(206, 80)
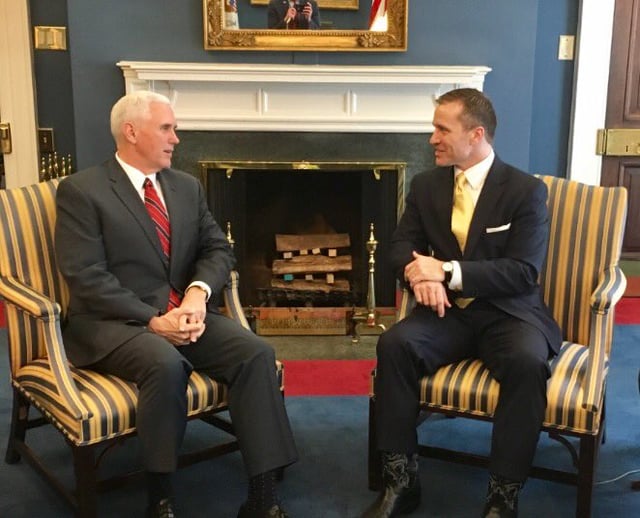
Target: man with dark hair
point(145, 263)
point(470, 244)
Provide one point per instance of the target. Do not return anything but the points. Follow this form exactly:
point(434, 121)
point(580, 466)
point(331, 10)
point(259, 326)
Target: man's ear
point(478, 134)
point(129, 132)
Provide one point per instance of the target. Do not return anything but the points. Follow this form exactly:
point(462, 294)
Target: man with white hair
point(145, 263)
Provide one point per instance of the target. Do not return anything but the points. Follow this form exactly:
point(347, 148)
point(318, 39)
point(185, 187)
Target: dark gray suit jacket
point(109, 253)
point(506, 246)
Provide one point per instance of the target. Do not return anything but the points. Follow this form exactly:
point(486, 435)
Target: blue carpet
point(330, 479)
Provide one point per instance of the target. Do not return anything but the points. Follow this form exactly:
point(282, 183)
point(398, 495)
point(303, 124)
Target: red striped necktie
point(160, 218)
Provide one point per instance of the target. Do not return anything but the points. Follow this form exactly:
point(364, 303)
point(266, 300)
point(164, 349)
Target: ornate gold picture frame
point(218, 37)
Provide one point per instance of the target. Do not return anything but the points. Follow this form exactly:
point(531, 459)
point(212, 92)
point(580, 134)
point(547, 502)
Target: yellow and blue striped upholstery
point(581, 283)
point(85, 406)
point(109, 400)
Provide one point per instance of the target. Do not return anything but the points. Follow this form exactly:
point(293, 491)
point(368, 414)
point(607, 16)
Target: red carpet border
point(628, 311)
point(327, 377)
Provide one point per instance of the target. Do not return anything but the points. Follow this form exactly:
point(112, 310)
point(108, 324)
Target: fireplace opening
point(257, 201)
point(293, 203)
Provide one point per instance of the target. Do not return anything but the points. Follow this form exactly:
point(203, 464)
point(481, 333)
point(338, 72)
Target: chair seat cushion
point(110, 400)
point(467, 388)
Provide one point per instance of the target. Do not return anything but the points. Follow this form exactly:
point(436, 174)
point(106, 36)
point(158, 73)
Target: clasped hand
point(425, 277)
point(184, 324)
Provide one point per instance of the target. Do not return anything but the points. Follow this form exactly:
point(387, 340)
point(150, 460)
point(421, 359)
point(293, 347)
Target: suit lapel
point(126, 193)
point(491, 192)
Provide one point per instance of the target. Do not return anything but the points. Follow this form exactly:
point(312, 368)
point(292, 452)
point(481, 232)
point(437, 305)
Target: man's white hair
point(133, 107)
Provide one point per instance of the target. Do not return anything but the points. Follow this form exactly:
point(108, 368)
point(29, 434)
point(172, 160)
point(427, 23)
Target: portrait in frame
point(218, 36)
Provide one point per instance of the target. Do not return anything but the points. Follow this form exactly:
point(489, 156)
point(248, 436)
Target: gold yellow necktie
point(462, 211)
point(460, 221)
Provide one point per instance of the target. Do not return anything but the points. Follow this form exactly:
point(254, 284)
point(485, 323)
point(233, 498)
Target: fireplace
point(251, 131)
point(257, 200)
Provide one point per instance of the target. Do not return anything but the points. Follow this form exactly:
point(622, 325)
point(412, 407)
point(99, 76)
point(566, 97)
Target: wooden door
point(623, 111)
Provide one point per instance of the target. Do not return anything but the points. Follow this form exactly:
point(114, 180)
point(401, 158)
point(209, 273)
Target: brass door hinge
point(618, 142)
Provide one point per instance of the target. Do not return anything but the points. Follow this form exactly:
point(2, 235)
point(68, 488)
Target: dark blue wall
point(518, 40)
point(552, 89)
point(52, 69)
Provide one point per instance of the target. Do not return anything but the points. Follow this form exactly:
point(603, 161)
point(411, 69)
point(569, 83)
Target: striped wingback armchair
point(92, 411)
point(581, 283)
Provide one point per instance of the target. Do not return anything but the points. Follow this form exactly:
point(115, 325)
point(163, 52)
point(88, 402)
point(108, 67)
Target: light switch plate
point(45, 140)
point(566, 47)
point(49, 38)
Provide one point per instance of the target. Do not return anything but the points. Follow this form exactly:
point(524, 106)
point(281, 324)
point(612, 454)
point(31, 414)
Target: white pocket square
point(501, 228)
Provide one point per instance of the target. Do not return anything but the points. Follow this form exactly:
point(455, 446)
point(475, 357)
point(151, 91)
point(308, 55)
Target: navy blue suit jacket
point(506, 245)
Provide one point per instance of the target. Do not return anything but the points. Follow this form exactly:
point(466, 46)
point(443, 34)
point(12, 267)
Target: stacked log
point(312, 262)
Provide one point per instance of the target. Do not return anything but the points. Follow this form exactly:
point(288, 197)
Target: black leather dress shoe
point(275, 512)
point(395, 500)
point(163, 509)
point(497, 508)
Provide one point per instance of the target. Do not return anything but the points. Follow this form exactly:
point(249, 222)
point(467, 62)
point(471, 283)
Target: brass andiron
point(229, 236)
point(370, 317)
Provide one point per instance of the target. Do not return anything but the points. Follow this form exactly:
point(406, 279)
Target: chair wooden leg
point(375, 458)
point(19, 425)
point(86, 481)
point(586, 473)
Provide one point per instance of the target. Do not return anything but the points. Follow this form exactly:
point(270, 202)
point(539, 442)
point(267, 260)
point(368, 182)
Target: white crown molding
point(258, 97)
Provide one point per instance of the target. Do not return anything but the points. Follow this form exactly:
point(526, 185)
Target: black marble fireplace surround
point(262, 202)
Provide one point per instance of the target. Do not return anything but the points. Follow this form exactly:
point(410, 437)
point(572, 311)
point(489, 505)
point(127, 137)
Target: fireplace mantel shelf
point(259, 97)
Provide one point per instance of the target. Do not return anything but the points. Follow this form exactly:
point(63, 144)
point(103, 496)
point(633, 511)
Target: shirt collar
point(477, 173)
point(136, 176)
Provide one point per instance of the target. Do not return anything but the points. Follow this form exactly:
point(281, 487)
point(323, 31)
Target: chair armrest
point(407, 303)
point(611, 286)
point(232, 300)
point(43, 314)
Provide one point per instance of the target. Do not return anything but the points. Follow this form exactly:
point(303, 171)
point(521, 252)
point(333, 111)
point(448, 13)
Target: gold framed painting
point(219, 35)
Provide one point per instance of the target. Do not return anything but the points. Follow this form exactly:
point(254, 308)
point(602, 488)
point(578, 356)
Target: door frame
point(17, 94)
point(591, 79)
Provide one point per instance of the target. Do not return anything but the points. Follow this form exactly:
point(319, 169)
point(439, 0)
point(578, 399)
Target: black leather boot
point(502, 498)
point(401, 491)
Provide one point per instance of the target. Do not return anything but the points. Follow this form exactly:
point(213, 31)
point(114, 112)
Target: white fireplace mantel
point(258, 97)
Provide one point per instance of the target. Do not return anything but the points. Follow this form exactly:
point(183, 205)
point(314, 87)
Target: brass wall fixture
point(618, 142)
point(5, 138)
point(49, 38)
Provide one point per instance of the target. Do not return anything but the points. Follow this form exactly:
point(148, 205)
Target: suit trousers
point(514, 351)
point(226, 352)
